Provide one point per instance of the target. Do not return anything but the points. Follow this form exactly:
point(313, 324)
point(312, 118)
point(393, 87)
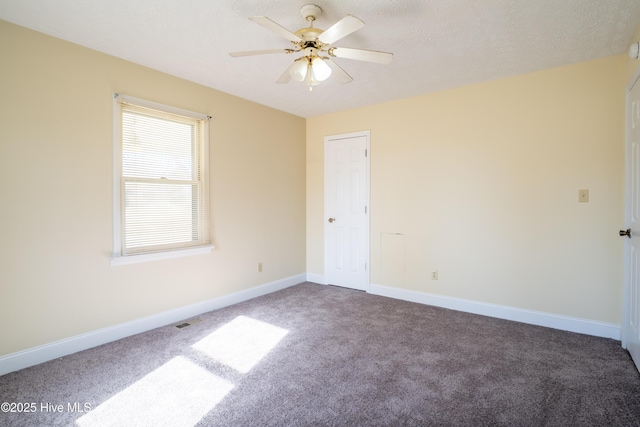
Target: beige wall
point(483, 183)
point(56, 194)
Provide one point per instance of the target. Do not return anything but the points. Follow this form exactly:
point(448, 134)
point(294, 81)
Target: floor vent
point(183, 325)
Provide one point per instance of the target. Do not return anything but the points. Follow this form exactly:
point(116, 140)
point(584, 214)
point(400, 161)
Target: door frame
point(367, 197)
point(626, 296)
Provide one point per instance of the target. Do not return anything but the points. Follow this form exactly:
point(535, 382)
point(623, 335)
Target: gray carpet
point(314, 355)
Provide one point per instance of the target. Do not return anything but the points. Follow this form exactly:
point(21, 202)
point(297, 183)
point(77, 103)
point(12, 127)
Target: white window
point(161, 194)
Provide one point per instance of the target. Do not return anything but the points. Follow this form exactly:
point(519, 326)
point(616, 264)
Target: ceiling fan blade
point(276, 28)
point(286, 76)
point(362, 55)
point(340, 74)
point(260, 52)
point(340, 29)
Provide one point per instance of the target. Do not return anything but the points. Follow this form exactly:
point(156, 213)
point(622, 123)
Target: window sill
point(134, 259)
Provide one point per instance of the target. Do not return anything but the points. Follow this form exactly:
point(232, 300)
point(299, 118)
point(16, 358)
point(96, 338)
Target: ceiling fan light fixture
point(321, 71)
point(299, 69)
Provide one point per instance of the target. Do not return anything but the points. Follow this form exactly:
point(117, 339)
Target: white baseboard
point(565, 323)
point(36, 355)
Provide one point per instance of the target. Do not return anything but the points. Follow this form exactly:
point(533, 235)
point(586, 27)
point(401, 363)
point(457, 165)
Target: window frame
point(118, 257)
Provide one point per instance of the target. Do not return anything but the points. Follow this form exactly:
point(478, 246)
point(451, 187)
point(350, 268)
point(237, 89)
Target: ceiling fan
point(316, 64)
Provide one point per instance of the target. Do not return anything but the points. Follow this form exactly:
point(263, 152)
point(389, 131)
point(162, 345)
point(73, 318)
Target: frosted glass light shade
point(299, 69)
point(321, 71)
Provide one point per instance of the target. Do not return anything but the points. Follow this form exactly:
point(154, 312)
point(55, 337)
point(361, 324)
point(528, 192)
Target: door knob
point(626, 232)
point(331, 219)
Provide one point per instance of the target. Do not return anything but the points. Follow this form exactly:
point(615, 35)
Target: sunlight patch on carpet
point(179, 393)
point(241, 343)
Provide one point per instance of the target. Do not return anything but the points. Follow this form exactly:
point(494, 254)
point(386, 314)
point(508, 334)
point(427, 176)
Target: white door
point(631, 330)
point(346, 207)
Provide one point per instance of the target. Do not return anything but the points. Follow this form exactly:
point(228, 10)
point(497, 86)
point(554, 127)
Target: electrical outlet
point(434, 275)
point(259, 267)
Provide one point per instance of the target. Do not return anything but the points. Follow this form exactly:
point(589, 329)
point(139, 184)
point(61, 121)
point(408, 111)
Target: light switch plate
point(583, 196)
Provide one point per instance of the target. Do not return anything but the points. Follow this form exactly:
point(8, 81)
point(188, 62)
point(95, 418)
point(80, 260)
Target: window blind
point(164, 192)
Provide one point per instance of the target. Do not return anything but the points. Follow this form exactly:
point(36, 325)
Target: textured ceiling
point(436, 44)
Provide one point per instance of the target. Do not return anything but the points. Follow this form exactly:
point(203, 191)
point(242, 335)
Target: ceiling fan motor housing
point(308, 34)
